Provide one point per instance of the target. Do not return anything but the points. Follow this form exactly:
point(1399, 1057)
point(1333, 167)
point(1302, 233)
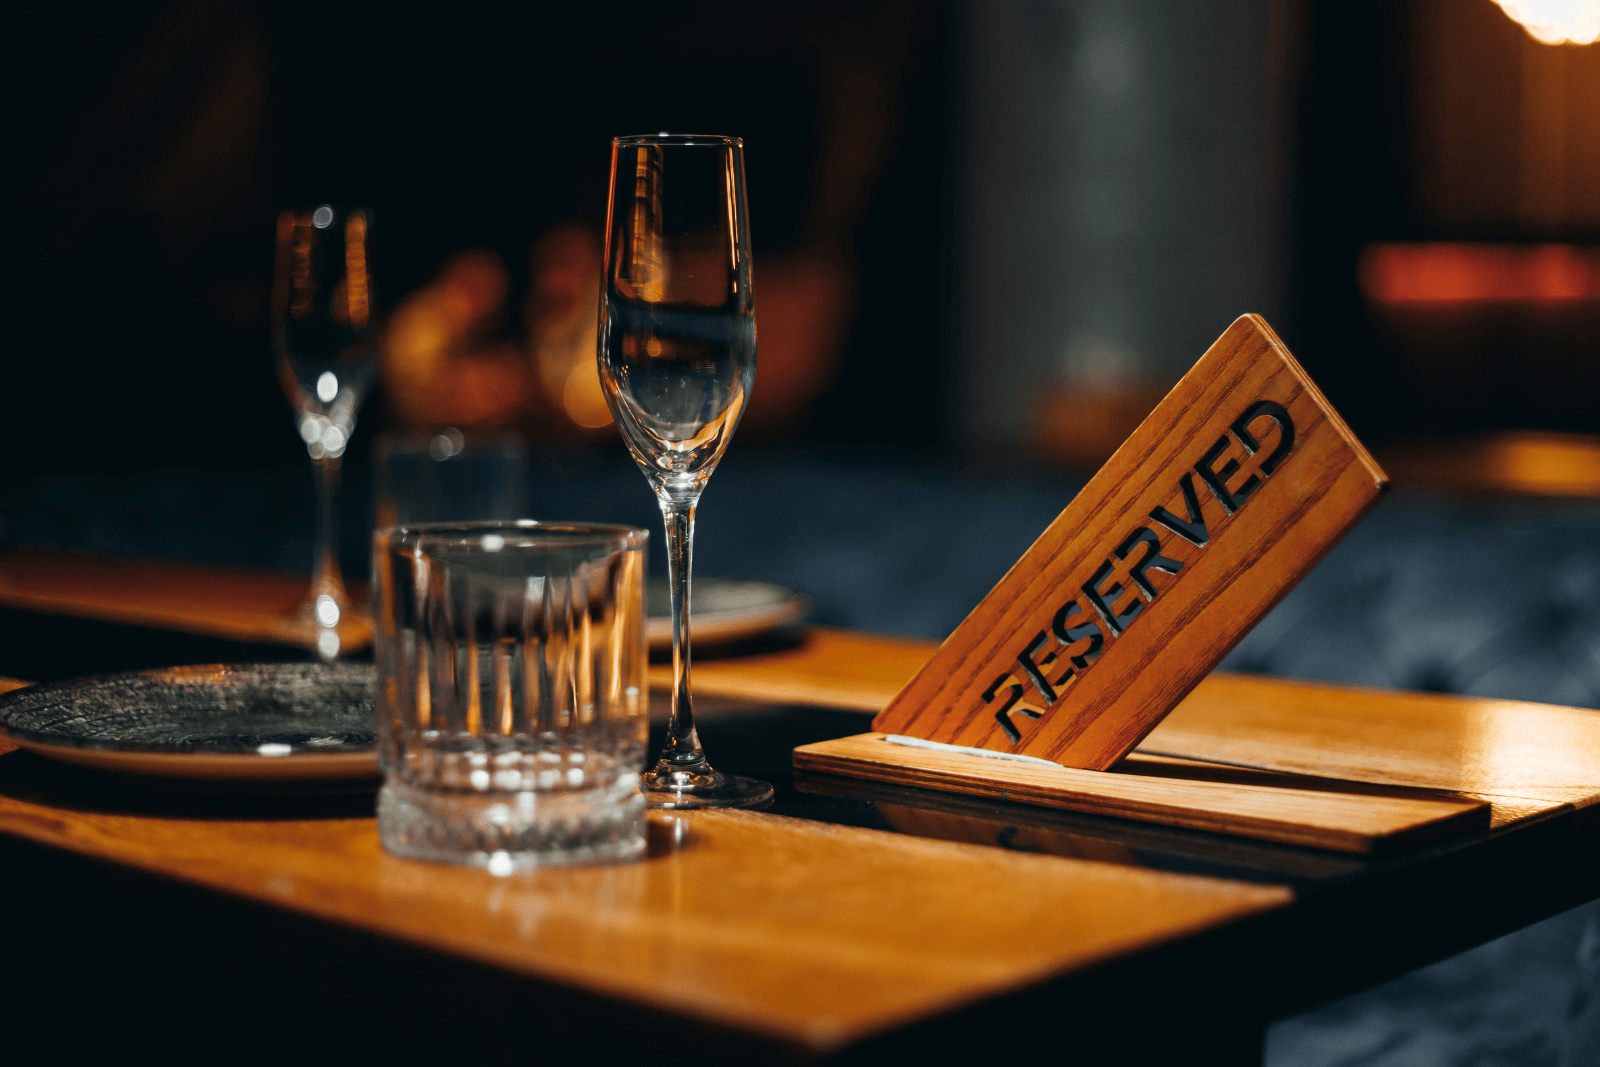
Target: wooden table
point(851, 922)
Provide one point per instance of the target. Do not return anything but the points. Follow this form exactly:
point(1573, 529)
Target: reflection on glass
point(324, 339)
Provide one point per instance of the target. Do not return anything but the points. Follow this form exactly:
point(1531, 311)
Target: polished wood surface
point(1342, 820)
point(216, 601)
point(821, 936)
point(762, 922)
point(828, 668)
point(6, 686)
point(1511, 749)
point(1522, 757)
point(1249, 461)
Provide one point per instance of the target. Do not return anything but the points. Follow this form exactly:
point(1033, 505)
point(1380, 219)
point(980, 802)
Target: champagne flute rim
point(715, 140)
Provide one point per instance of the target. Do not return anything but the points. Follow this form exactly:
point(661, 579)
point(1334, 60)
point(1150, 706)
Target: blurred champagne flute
point(677, 350)
point(325, 321)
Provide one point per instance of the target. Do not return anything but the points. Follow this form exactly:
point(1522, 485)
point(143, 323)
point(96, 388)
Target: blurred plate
point(725, 610)
point(221, 728)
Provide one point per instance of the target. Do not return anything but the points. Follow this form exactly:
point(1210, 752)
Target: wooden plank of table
point(827, 668)
point(851, 919)
point(242, 605)
point(1503, 810)
point(6, 686)
point(1343, 819)
point(1525, 758)
point(1228, 718)
point(1474, 745)
point(763, 922)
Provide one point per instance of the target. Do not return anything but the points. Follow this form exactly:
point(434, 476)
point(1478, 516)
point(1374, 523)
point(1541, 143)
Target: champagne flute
point(325, 340)
point(677, 352)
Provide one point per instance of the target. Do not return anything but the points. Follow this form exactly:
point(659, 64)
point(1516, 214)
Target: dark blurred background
point(159, 140)
point(991, 230)
point(981, 229)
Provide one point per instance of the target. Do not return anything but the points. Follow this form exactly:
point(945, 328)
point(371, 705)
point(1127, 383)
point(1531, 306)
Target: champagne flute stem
point(325, 577)
point(682, 751)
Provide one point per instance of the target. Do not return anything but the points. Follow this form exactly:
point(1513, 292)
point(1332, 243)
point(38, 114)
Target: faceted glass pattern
point(512, 697)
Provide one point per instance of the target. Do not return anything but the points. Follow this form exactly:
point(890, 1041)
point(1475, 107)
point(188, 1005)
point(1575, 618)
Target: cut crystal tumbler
point(512, 698)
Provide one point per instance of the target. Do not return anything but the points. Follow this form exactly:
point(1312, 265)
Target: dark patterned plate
point(230, 727)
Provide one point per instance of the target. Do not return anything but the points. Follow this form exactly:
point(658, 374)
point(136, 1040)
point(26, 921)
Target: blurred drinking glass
point(325, 321)
point(677, 351)
point(449, 477)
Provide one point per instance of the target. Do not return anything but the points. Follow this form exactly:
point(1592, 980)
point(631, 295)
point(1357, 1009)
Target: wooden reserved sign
point(1224, 497)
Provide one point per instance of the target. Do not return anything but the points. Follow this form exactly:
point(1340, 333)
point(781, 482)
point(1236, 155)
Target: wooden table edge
point(813, 1038)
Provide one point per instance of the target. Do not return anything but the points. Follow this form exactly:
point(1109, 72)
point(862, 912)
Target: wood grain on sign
point(1223, 498)
point(1339, 816)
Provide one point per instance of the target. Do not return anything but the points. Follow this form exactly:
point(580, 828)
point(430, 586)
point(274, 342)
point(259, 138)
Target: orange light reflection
point(1457, 273)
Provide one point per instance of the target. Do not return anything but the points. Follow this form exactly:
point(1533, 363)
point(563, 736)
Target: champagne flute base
point(678, 790)
point(308, 624)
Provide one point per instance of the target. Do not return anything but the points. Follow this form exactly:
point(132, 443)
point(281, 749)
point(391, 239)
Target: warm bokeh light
point(441, 366)
point(582, 398)
point(447, 362)
point(1457, 273)
point(564, 266)
point(1514, 463)
point(357, 302)
point(1556, 21)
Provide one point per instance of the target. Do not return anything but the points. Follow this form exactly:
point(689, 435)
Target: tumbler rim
point(621, 535)
point(714, 140)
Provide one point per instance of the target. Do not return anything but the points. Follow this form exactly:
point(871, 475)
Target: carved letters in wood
point(1238, 482)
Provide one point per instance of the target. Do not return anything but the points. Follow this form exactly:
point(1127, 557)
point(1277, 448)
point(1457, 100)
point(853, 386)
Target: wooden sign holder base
point(1288, 809)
